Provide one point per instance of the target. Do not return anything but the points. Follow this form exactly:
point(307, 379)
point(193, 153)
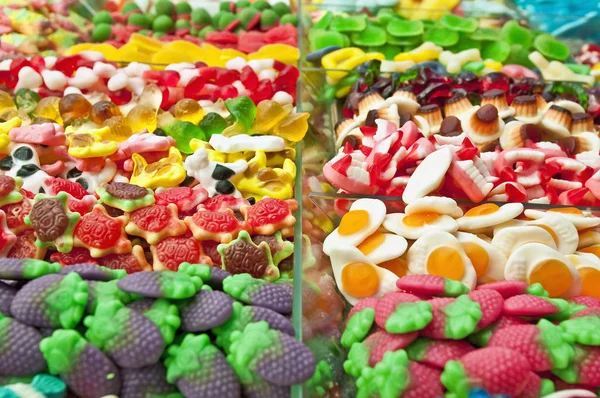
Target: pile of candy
point(39, 27)
point(543, 153)
point(90, 74)
point(201, 332)
point(242, 25)
point(389, 36)
point(483, 278)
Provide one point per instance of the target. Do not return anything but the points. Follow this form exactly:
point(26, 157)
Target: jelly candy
point(91, 144)
point(141, 118)
point(268, 115)
point(53, 222)
point(102, 111)
point(127, 197)
point(26, 99)
point(7, 238)
point(221, 226)
point(279, 216)
point(73, 106)
point(188, 110)
point(20, 354)
point(25, 247)
point(185, 198)
point(212, 123)
point(214, 176)
point(131, 262)
point(183, 133)
point(206, 310)
point(260, 181)
point(93, 272)
point(168, 284)
point(169, 253)
point(162, 313)
point(102, 234)
point(48, 108)
point(155, 223)
point(166, 172)
point(10, 190)
point(243, 112)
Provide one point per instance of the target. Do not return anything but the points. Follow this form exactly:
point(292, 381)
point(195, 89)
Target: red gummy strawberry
point(491, 304)
point(482, 337)
point(499, 370)
point(537, 387)
point(588, 301)
point(534, 306)
point(452, 318)
point(437, 352)
point(381, 342)
point(585, 369)
point(431, 285)
point(513, 288)
point(360, 321)
point(543, 344)
point(56, 185)
point(590, 311)
point(402, 313)
point(396, 376)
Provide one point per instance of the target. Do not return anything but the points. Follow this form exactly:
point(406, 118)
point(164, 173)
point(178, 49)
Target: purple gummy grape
point(206, 310)
point(274, 297)
point(29, 305)
point(147, 381)
point(217, 275)
point(90, 272)
point(221, 381)
point(141, 306)
point(141, 345)
point(262, 389)
point(145, 283)
point(286, 364)
point(84, 377)
point(20, 354)
point(274, 319)
point(12, 268)
point(7, 294)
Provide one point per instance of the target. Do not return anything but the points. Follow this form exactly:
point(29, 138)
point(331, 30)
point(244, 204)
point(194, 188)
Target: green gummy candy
point(385, 15)
point(496, 50)
point(409, 317)
point(182, 24)
point(321, 381)
point(188, 357)
point(268, 18)
point(128, 7)
point(33, 268)
point(226, 19)
point(514, 33)
point(389, 51)
point(261, 5)
point(475, 66)
point(465, 42)
point(242, 112)
point(325, 38)
point(537, 290)
point(102, 17)
point(418, 348)
point(183, 132)
point(358, 327)
point(164, 7)
point(482, 337)
point(200, 270)
point(224, 5)
point(371, 36)
point(289, 19)
point(162, 23)
point(183, 8)
point(281, 8)
point(488, 34)
point(212, 123)
point(410, 42)
point(462, 317)
point(455, 379)
point(62, 349)
point(389, 378)
point(459, 24)
point(240, 4)
point(138, 20)
point(101, 32)
point(68, 301)
point(441, 36)
point(248, 346)
point(547, 387)
point(324, 21)
point(202, 33)
point(165, 316)
point(584, 330)
point(402, 28)
point(201, 17)
point(551, 48)
point(175, 285)
point(354, 23)
point(358, 359)
point(580, 69)
point(246, 15)
point(108, 322)
point(454, 288)
point(558, 348)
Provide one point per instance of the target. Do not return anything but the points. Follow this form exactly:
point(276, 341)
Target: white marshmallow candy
point(54, 79)
point(29, 78)
point(84, 78)
point(104, 70)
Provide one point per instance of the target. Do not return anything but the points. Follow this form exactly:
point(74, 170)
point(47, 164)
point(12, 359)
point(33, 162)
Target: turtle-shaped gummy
point(269, 215)
point(102, 234)
point(185, 198)
point(222, 202)
point(127, 197)
point(211, 225)
point(52, 222)
point(130, 262)
point(172, 251)
point(242, 256)
point(9, 190)
point(280, 248)
point(15, 215)
point(78, 255)
point(154, 223)
point(25, 247)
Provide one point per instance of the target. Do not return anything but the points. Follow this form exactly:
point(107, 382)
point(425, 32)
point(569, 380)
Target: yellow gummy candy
point(167, 172)
point(193, 51)
point(268, 115)
point(4, 142)
point(110, 53)
point(260, 181)
point(10, 124)
point(77, 48)
point(493, 65)
point(293, 128)
point(84, 145)
point(196, 144)
point(145, 43)
point(279, 52)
